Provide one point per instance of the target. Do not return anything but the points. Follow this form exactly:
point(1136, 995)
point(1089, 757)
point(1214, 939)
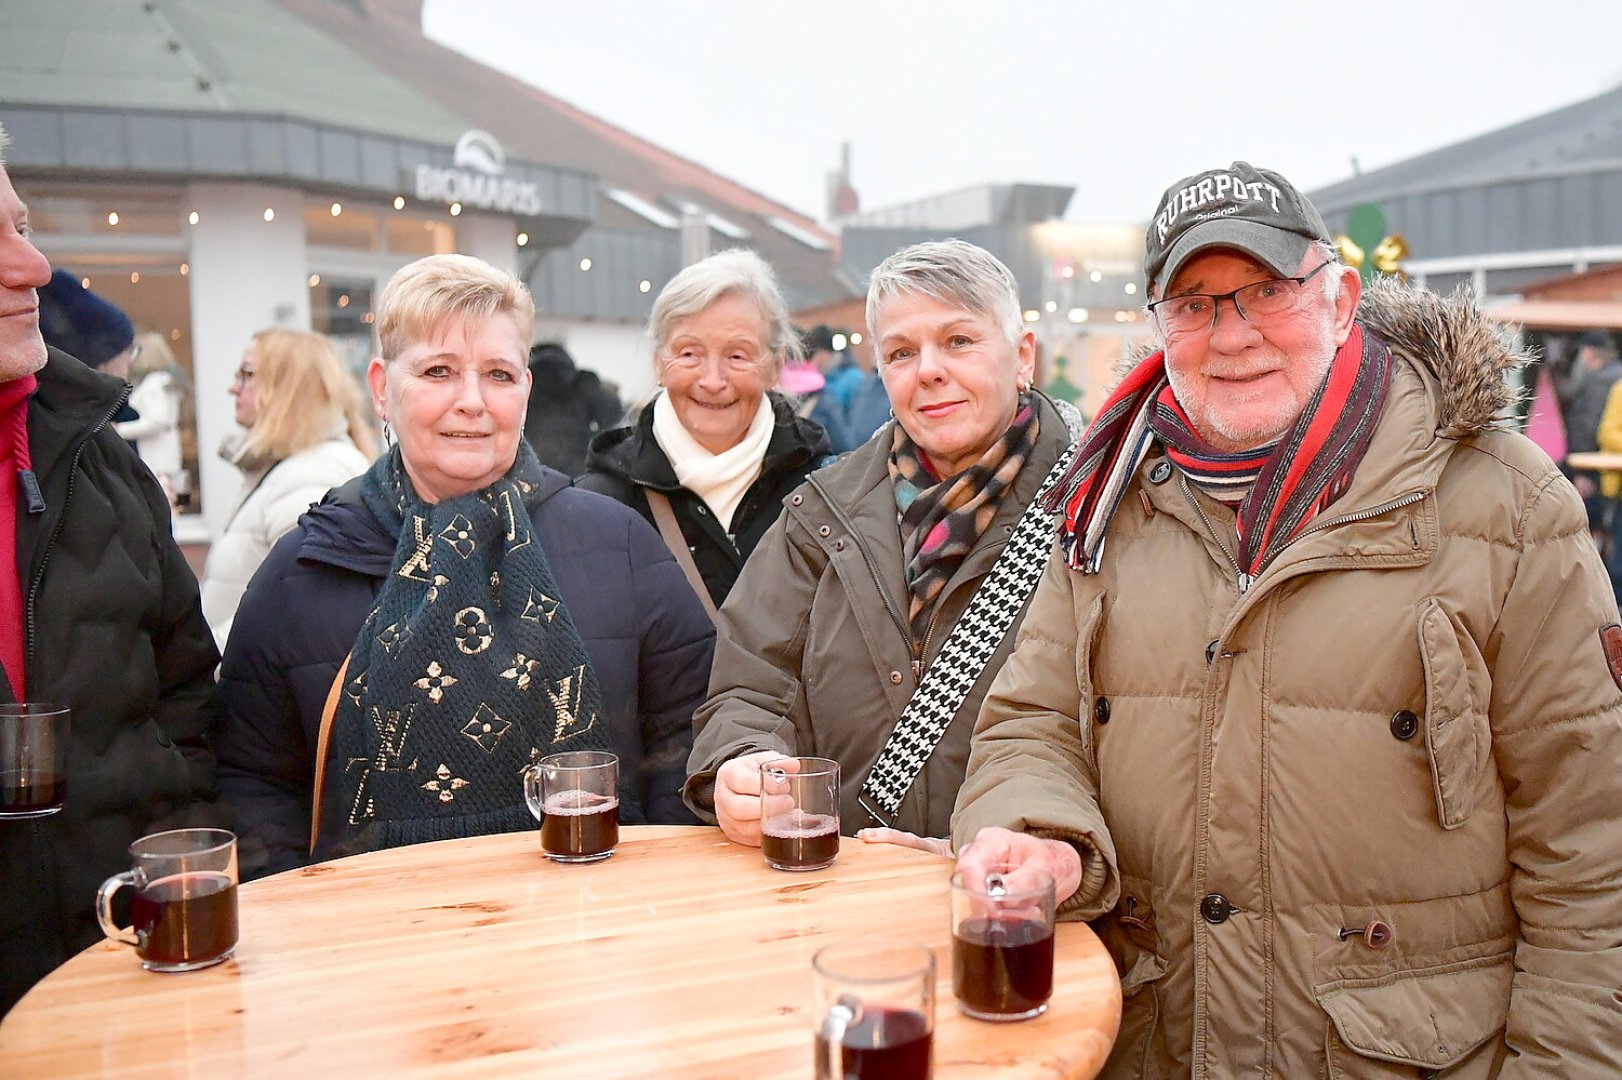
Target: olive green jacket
point(1363, 819)
point(813, 652)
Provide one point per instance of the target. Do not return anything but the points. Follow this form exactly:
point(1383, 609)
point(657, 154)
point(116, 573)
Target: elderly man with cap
point(98, 612)
point(1317, 710)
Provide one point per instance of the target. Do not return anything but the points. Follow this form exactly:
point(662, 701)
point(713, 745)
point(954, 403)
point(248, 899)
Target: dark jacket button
point(1404, 724)
point(1215, 908)
point(1101, 710)
point(1210, 652)
point(1160, 473)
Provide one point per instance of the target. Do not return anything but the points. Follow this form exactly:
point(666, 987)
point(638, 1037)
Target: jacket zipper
point(872, 565)
point(1364, 515)
point(45, 559)
point(1242, 579)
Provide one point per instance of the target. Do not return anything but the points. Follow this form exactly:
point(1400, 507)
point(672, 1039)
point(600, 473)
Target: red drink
point(1002, 968)
point(185, 921)
point(885, 1044)
point(31, 794)
point(580, 826)
point(800, 841)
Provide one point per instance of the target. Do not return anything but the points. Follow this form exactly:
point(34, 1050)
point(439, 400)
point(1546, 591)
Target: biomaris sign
point(476, 179)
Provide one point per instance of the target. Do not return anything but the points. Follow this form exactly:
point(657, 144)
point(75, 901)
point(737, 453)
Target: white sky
point(1116, 97)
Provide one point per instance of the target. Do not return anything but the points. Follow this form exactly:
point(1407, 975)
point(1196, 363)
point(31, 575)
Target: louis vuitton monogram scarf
point(468, 668)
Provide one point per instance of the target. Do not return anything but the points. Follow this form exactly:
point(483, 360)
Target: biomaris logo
point(479, 151)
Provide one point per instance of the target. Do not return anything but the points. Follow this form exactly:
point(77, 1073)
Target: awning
point(1561, 314)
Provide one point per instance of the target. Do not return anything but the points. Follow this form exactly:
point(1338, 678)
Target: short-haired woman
point(717, 447)
point(843, 610)
point(466, 608)
point(303, 434)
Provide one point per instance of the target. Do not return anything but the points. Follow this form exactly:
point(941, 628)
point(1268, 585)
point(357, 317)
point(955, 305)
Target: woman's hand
point(737, 796)
point(901, 838)
point(993, 846)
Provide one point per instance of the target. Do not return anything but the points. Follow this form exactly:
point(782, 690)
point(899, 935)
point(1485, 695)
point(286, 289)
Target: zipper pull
point(917, 670)
point(33, 498)
point(1244, 582)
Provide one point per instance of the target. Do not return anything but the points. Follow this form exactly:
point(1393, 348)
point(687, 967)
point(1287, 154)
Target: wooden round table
point(681, 956)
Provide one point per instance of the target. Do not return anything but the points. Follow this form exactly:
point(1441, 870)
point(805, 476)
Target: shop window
point(415, 236)
point(354, 228)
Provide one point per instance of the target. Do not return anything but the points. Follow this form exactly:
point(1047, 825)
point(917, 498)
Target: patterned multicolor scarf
point(468, 668)
point(942, 519)
point(1306, 471)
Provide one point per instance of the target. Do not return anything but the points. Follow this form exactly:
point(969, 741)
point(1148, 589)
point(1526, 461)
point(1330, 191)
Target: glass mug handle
point(104, 906)
point(841, 1014)
point(532, 790)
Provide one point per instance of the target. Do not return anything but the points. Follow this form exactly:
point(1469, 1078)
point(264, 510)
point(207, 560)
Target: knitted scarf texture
point(1289, 483)
point(468, 668)
point(942, 518)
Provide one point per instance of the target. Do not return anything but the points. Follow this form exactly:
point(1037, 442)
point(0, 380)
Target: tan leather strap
point(328, 711)
point(665, 518)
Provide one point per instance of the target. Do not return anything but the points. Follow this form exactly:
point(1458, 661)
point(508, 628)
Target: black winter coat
point(649, 642)
point(627, 460)
point(567, 408)
point(115, 631)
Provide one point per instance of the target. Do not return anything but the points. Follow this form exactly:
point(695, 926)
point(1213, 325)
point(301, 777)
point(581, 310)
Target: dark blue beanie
point(80, 323)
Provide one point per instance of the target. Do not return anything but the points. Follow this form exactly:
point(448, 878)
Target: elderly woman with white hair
point(711, 459)
point(842, 637)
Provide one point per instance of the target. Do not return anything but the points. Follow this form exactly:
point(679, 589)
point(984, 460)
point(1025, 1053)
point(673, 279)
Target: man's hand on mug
point(737, 796)
point(994, 845)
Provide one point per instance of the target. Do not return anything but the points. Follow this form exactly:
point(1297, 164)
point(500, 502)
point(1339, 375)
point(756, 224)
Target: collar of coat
point(631, 453)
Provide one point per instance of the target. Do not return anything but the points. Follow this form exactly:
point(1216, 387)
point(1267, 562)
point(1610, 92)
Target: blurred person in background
point(303, 434)
point(717, 449)
point(1594, 371)
point(91, 329)
point(453, 613)
point(567, 408)
point(844, 609)
point(160, 393)
point(98, 612)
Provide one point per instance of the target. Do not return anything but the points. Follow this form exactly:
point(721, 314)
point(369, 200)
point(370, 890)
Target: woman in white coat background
point(304, 434)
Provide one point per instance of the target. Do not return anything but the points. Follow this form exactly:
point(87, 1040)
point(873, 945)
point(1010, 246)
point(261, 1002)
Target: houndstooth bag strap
point(963, 658)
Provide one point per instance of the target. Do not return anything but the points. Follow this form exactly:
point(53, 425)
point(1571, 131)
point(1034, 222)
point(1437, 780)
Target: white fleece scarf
point(719, 479)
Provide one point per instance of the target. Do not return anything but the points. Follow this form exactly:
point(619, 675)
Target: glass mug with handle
point(575, 795)
point(33, 758)
point(873, 1009)
point(184, 915)
point(799, 812)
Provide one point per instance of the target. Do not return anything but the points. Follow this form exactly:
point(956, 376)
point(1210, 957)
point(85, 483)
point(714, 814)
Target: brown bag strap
point(328, 711)
point(665, 518)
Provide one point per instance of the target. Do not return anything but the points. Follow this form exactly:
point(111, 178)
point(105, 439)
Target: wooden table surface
point(681, 956)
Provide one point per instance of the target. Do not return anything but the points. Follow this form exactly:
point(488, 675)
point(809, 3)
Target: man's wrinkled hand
point(993, 846)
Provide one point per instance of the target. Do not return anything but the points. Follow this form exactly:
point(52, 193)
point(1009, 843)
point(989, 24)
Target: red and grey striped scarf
point(1306, 471)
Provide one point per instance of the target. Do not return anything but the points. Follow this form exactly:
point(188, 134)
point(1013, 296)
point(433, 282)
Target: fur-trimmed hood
point(1471, 355)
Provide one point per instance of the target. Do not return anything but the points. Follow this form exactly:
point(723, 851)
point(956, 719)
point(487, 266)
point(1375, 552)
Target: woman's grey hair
point(739, 271)
point(954, 272)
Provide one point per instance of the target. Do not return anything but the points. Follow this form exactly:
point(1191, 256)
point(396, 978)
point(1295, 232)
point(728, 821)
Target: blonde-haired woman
point(304, 434)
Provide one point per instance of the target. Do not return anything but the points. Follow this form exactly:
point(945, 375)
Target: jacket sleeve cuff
point(1100, 887)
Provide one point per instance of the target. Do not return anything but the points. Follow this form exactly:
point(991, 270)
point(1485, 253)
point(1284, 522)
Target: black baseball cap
point(1254, 210)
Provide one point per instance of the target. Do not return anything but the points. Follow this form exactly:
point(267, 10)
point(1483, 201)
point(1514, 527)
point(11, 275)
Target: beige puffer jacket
point(1364, 820)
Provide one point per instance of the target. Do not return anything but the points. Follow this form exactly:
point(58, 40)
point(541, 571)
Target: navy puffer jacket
point(649, 641)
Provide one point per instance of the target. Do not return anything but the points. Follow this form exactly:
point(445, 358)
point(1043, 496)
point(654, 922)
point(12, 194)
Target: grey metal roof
point(1580, 138)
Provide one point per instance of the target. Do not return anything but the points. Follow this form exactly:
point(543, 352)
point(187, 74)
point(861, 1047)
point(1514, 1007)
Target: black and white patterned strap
point(947, 682)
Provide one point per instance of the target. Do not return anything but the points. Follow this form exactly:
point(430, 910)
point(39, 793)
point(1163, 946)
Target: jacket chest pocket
point(1457, 737)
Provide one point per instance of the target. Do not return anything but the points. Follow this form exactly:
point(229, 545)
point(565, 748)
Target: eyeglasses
point(243, 376)
point(135, 353)
point(1194, 313)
